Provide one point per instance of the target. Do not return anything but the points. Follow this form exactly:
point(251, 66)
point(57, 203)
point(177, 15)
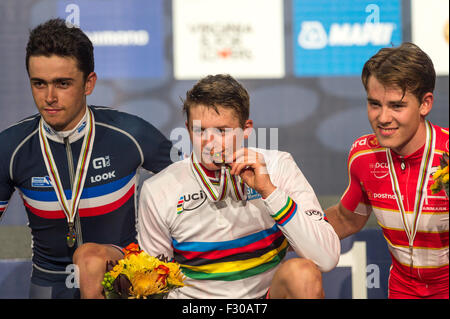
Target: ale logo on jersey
point(99, 163)
point(335, 38)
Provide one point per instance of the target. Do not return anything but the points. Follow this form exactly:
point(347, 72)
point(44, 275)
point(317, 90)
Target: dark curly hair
point(58, 37)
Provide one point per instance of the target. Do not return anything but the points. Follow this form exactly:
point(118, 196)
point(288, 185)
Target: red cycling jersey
point(419, 265)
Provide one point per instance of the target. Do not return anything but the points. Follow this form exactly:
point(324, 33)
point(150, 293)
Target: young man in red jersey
point(390, 173)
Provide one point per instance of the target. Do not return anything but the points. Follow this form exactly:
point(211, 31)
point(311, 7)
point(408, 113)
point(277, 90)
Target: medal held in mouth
point(69, 207)
point(228, 184)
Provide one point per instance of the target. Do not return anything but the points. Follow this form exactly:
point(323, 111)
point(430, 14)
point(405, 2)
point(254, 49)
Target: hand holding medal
point(251, 167)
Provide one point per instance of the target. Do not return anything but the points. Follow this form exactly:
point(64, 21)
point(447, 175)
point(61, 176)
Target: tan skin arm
point(344, 221)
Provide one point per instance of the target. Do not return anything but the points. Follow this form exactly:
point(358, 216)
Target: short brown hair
point(219, 90)
point(406, 67)
point(56, 37)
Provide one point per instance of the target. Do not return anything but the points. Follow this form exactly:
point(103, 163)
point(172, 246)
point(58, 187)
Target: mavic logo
point(313, 35)
point(101, 162)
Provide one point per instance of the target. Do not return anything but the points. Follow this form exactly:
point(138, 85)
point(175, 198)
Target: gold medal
point(71, 235)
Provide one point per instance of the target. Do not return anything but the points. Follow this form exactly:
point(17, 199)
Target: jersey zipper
point(403, 179)
point(79, 241)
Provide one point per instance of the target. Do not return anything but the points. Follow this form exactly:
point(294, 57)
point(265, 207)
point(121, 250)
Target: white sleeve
point(296, 209)
point(153, 234)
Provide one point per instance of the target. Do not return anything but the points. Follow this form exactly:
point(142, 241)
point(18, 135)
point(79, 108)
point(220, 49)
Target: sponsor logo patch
point(373, 142)
point(101, 162)
point(379, 170)
point(348, 31)
point(190, 202)
point(315, 215)
point(43, 181)
point(252, 194)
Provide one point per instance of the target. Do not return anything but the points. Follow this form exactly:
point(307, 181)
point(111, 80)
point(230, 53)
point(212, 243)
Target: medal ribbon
point(228, 183)
point(422, 182)
point(69, 207)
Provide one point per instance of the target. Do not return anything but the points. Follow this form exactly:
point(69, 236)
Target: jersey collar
point(74, 134)
point(415, 156)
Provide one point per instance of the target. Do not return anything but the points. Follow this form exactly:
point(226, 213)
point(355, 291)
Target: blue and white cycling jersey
point(122, 144)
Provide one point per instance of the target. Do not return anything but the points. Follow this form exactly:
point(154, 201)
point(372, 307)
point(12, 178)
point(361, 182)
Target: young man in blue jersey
point(68, 162)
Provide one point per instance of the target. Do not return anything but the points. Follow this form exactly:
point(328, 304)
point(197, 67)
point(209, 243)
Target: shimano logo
point(313, 35)
point(119, 37)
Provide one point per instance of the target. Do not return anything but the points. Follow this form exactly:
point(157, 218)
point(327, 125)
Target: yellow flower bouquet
point(139, 275)
point(440, 177)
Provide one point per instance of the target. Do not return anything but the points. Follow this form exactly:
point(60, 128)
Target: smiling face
point(397, 119)
point(214, 133)
point(59, 90)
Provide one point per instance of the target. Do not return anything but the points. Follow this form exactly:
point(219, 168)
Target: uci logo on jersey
point(190, 202)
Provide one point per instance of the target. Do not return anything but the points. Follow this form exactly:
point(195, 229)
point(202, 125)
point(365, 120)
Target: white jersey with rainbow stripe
point(231, 248)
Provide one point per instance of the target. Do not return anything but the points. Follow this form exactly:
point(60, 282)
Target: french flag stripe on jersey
point(89, 205)
point(91, 192)
point(3, 204)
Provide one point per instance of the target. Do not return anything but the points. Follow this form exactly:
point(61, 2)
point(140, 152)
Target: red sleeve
point(355, 193)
